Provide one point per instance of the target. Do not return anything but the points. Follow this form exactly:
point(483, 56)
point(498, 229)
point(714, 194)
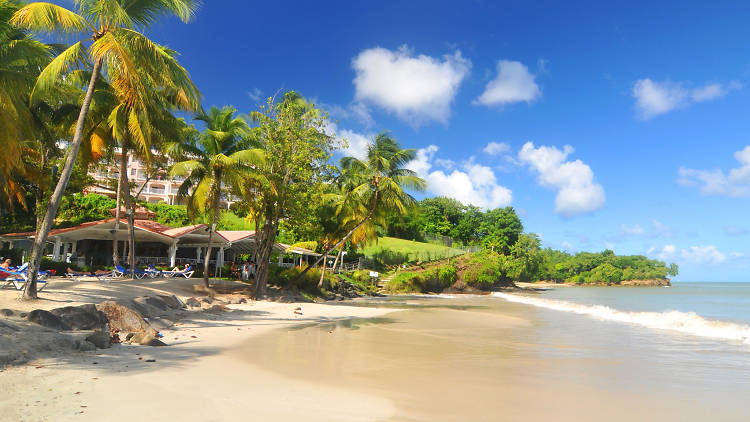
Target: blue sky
point(605, 125)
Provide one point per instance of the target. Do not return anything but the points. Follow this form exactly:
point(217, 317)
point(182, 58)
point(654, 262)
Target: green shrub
point(484, 270)
point(60, 268)
point(287, 278)
point(406, 282)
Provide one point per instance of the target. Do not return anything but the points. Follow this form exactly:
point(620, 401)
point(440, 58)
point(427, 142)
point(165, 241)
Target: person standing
point(245, 271)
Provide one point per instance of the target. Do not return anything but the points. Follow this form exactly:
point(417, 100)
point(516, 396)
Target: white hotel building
point(160, 188)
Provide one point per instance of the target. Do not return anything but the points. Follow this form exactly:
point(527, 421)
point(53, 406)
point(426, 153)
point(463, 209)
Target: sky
point(620, 125)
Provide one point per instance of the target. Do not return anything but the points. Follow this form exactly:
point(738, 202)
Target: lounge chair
point(75, 274)
point(18, 280)
point(108, 276)
point(152, 272)
point(187, 273)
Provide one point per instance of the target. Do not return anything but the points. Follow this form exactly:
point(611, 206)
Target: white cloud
point(356, 143)
point(735, 231)
point(715, 182)
point(496, 148)
point(473, 183)
point(703, 254)
point(657, 229)
point(567, 246)
point(513, 84)
point(577, 193)
point(416, 88)
point(655, 98)
point(635, 230)
point(255, 94)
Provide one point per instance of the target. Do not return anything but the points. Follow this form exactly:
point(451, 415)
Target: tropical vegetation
point(114, 95)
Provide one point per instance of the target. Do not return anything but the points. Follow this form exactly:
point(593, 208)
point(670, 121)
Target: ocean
point(568, 353)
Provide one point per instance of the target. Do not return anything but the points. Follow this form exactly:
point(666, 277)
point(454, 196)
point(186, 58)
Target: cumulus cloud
point(472, 183)
point(513, 84)
point(654, 98)
point(577, 192)
point(703, 254)
point(496, 148)
point(735, 183)
point(417, 88)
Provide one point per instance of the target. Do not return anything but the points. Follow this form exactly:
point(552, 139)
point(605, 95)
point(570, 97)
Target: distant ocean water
point(702, 309)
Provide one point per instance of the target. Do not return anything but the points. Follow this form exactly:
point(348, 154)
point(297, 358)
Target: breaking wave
point(684, 322)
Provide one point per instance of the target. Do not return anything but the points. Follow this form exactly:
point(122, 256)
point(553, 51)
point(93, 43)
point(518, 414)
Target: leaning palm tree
point(375, 186)
point(221, 156)
point(116, 48)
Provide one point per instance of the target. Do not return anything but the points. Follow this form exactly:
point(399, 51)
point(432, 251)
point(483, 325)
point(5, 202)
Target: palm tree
point(115, 47)
point(375, 187)
point(222, 156)
point(21, 59)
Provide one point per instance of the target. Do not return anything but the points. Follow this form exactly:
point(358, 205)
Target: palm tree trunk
point(208, 248)
point(342, 241)
point(41, 236)
point(339, 258)
point(321, 283)
point(120, 186)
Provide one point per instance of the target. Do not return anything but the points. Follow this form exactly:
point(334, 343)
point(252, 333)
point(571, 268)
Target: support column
point(66, 252)
point(172, 253)
point(56, 251)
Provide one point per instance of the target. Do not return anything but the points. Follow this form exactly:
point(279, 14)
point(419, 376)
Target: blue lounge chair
point(18, 279)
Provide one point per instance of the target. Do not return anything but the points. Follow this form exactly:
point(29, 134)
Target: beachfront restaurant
point(90, 244)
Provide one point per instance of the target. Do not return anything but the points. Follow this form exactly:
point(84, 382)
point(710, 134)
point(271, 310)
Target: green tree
point(376, 186)
point(116, 45)
point(500, 229)
point(223, 156)
point(291, 132)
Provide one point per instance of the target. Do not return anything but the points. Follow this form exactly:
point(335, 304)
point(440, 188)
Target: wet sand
point(479, 358)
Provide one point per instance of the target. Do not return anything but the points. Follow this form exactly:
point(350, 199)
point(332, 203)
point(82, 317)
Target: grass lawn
point(394, 251)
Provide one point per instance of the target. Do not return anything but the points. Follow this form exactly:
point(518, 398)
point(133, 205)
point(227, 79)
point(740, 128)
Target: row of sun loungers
point(121, 272)
point(17, 277)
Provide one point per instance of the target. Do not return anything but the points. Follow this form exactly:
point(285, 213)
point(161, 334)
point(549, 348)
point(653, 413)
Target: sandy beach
point(198, 377)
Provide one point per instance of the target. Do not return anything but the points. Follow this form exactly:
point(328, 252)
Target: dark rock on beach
point(84, 317)
point(47, 319)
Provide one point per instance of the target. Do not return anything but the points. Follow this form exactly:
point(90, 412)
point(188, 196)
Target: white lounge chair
point(187, 273)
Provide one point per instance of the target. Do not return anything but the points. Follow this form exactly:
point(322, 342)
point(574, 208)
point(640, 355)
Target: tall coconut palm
point(222, 156)
point(116, 47)
point(376, 186)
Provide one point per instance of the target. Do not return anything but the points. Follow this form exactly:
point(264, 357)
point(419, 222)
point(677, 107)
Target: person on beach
point(235, 271)
point(6, 264)
point(178, 269)
point(78, 272)
point(251, 270)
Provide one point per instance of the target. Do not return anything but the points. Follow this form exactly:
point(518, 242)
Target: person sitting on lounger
point(6, 264)
point(178, 270)
point(78, 272)
point(102, 272)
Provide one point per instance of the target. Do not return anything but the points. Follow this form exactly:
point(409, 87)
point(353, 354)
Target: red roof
point(148, 225)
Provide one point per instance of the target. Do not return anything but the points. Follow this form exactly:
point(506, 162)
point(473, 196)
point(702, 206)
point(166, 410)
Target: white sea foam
point(684, 322)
